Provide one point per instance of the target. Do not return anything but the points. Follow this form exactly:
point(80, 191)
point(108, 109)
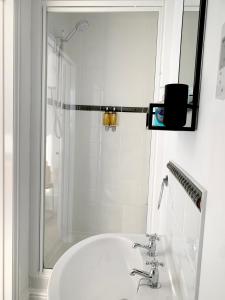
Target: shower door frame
point(1, 154)
point(91, 6)
point(9, 155)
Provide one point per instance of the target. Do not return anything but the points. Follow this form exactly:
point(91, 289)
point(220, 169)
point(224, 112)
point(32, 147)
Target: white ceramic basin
point(98, 269)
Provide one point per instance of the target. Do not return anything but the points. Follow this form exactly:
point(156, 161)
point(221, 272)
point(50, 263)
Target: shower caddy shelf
point(191, 108)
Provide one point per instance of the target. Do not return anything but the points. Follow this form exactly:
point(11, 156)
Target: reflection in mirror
point(189, 44)
point(97, 180)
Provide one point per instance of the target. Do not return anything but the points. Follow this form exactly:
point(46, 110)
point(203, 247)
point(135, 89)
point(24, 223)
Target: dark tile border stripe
point(192, 190)
point(127, 109)
point(103, 108)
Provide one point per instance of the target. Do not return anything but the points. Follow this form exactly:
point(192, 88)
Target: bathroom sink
point(98, 269)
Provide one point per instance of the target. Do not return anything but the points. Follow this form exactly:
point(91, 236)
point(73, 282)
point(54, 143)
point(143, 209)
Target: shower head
point(82, 25)
point(79, 26)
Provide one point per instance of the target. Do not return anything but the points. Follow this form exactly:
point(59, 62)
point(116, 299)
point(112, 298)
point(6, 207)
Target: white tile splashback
point(181, 223)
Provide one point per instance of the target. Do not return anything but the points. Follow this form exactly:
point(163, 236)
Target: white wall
point(201, 154)
point(15, 120)
point(15, 147)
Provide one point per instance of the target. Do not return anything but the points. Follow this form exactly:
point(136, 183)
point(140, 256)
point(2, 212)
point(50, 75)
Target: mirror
point(191, 51)
point(189, 45)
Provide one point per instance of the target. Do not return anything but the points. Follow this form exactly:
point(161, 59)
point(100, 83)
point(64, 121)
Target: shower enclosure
point(96, 181)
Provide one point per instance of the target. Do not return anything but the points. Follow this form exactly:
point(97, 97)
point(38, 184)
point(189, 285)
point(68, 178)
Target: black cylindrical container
point(176, 99)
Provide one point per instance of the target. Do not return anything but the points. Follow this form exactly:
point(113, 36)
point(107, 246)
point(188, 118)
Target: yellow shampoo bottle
point(106, 119)
point(113, 119)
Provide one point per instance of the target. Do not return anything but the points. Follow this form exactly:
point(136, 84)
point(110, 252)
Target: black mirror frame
point(198, 62)
point(194, 106)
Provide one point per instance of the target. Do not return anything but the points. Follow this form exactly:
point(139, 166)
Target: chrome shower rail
point(192, 190)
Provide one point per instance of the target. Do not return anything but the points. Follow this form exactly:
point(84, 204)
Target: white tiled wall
point(111, 187)
point(181, 222)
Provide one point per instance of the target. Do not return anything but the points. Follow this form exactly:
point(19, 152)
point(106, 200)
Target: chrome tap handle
point(137, 245)
point(155, 263)
point(153, 237)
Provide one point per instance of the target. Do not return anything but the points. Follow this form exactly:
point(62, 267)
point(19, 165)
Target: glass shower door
point(96, 176)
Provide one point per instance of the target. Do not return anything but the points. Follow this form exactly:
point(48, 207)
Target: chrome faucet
point(152, 276)
point(151, 246)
